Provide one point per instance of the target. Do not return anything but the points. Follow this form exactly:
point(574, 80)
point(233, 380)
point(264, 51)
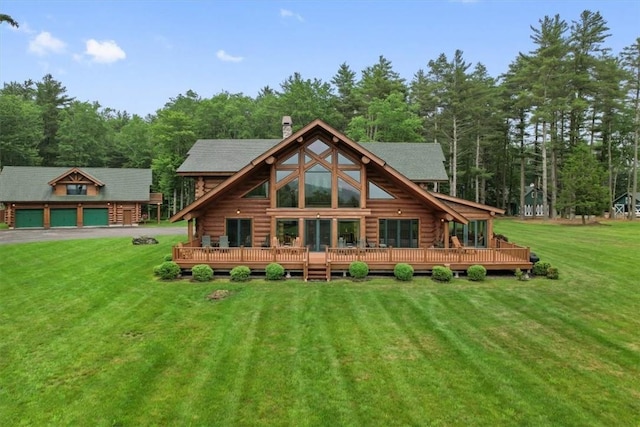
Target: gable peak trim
point(79, 171)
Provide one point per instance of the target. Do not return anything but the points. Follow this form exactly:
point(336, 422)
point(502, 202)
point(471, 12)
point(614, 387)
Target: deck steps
point(316, 272)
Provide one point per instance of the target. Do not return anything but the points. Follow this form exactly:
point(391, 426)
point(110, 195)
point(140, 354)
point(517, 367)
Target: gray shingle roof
point(224, 155)
point(418, 161)
point(30, 184)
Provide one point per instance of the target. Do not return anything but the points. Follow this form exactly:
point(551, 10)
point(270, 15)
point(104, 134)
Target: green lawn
point(89, 337)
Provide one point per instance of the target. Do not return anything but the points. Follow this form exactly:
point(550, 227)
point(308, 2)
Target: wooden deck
point(322, 265)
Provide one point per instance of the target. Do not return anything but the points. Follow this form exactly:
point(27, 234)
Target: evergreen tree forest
point(567, 110)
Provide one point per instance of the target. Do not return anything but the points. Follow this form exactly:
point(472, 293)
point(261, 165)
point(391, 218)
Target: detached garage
point(47, 197)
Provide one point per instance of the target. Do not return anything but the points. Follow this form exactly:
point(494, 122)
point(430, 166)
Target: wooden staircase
point(316, 267)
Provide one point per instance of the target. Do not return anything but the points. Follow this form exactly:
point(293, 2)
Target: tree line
point(564, 117)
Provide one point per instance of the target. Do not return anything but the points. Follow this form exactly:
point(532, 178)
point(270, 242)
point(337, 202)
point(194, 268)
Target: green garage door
point(29, 218)
point(64, 217)
point(96, 216)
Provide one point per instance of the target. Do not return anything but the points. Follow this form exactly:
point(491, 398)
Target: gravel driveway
point(39, 235)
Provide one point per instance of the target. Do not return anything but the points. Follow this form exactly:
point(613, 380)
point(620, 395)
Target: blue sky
point(135, 55)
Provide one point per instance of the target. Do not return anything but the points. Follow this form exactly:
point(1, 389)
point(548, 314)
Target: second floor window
point(76, 190)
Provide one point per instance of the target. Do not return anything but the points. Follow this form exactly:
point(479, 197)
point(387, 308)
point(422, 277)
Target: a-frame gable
point(74, 175)
point(304, 135)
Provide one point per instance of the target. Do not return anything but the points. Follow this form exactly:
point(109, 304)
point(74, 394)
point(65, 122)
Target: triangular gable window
point(345, 161)
point(376, 192)
point(291, 160)
point(261, 191)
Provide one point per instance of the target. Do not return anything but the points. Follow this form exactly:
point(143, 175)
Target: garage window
point(76, 190)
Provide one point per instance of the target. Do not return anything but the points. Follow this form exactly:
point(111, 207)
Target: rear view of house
point(316, 200)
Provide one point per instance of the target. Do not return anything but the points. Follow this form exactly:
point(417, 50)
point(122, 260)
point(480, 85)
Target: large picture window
point(326, 178)
point(399, 233)
point(317, 187)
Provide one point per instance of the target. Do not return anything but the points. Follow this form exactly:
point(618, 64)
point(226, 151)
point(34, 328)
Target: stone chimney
point(286, 127)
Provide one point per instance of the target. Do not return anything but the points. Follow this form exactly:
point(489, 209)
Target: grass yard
point(90, 337)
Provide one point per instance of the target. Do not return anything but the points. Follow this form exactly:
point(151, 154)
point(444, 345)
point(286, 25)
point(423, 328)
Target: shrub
point(540, 268)
point(520, 274)
point(168, 257)
point(358, 269)
point(476, 273)
point(240, 273)
point(442, 274)
point(201, 273)
point(168, 270)
point(403, 271)
point(553, 273)
point(274, 271)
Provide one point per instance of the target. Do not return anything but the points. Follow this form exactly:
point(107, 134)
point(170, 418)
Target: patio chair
point(224, 241)
point(455, 242)
point(206, 241)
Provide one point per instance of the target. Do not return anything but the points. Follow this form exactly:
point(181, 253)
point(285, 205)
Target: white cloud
point(44, 43)
point(224, 56)
point(104, 52)
point(286, 13)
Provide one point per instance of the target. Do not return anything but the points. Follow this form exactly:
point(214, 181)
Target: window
point(259, 192)
point(239, 232)
point(330, 179)
point(317, 188)
point(348, 232)
point(399, 233)
point(287, 195)
point(473, 234)
point(286, 231)
point(348, 195)
point(344, 160)
point(375, 192)
point(76, 190)
point(291, 161)
point(318, 147)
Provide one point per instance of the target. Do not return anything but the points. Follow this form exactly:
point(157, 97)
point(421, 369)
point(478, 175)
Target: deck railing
point(213, 255)
point(429, 255)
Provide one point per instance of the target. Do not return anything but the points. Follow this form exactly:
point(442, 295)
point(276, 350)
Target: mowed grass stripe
point(583, 355)
point(490, 393)
point(493, 357)
point(413, 355)
point(366, 358)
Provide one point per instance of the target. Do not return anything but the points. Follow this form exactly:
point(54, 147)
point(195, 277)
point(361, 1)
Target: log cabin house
point(49, 197)
point(315, 201)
